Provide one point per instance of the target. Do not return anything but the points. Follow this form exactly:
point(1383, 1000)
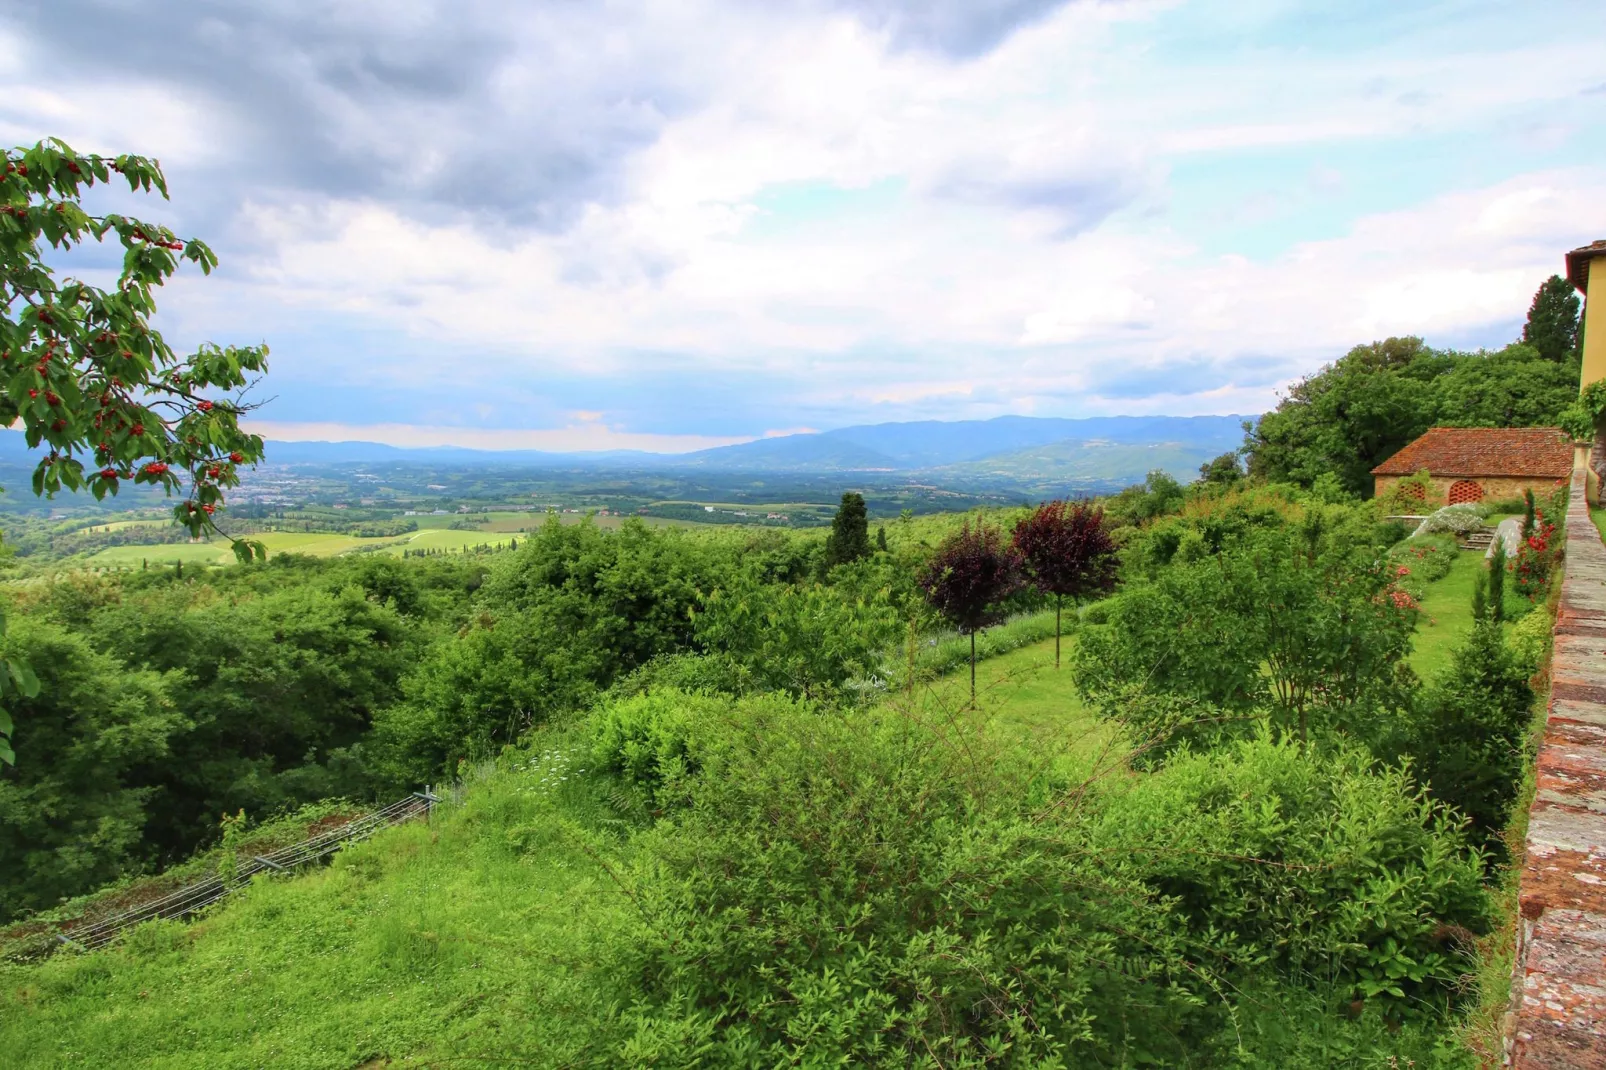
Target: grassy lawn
point(1447, 614)
point(1022, 694)
point(437, 945)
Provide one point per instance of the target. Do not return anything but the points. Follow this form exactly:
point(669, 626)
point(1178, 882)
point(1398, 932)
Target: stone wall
point(1558, 1017)
point(1495, 488)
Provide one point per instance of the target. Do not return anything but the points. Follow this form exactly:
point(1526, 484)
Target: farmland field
point(503, 529)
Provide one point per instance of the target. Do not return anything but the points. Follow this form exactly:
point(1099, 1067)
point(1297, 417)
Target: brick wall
point(1495, 488)
point(1558, 1015)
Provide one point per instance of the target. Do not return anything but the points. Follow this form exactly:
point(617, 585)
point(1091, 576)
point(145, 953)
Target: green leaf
point(27, 682)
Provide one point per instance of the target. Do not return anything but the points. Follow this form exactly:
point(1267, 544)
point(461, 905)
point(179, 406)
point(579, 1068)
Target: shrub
point(1292, 625)
point(854, 890)
point(1529, 640)
point(648, 741)
point(1311, 865)
point(1467, 744)
point(861, 890)
point(1537, 559)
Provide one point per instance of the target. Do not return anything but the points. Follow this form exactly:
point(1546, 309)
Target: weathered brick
point(1559, 1013)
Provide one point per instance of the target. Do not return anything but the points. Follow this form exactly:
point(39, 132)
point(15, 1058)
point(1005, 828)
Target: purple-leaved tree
point(1068, 553)
point(968, 580)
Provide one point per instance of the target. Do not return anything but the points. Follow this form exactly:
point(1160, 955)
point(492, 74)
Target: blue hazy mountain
point(930, 444)
point(1101, 449)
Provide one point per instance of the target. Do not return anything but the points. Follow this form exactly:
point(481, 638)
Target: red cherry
point(236, 456)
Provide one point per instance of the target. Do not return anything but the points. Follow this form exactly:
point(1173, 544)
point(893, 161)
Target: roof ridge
point(1515, 452)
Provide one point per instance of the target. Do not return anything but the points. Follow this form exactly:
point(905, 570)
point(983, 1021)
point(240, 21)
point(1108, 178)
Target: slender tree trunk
point(972, 670)
point(1058, 599)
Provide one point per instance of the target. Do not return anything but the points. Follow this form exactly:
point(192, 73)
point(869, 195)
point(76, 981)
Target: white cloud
point(582, 436)
point(995, 232)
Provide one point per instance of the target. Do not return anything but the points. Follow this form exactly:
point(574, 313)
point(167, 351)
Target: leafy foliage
point(85, 373)
point(1358, 411)
point(1468, 741)
point(971, 576)
point(805, 639)
point(1553, 320)
point(850, 532)
point(82, 370)
point(1314, 607)
point(73, 816)
point(1067, 552)
point(1308, 867)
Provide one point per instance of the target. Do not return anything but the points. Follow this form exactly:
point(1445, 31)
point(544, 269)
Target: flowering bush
point(1419, 561)
point(1536, 560)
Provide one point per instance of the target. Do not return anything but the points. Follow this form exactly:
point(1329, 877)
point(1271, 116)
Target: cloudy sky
point(603, 224)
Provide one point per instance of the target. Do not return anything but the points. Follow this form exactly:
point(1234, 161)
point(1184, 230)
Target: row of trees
point(1341, 422)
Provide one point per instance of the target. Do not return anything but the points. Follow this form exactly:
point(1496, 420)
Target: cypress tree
point(881, 538)
point(1552, 326)
point(850, 532)
point(1497, 582)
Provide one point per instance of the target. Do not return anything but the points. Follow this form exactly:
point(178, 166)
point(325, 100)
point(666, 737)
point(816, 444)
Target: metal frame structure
point(195, 897)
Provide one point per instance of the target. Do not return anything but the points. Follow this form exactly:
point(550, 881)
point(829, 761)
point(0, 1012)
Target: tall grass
point(949, 650)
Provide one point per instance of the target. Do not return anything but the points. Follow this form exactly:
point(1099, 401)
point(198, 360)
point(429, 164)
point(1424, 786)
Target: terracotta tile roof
point(1543, 452)
point(1578, 264)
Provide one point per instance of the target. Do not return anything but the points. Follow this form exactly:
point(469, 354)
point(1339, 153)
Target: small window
point(1465, 490)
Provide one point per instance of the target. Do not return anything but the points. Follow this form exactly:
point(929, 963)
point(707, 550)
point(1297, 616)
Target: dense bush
point(1299, 625)
point(851, 890)
point(1309, 866)
point(73, 815)
point(1467, 742)
point(858, 888)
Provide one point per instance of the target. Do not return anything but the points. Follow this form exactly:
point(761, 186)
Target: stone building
point(1469, 464)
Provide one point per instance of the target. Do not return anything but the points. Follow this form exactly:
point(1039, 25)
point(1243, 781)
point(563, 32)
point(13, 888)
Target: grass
point(478, 939)
point(1447, 614)
point(1019, 693)
point(502, 530)
point(471, 940)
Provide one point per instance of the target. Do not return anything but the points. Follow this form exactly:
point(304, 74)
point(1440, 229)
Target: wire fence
point(186, 901)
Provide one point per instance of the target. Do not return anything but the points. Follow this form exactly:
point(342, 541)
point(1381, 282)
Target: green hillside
point(1075, 461)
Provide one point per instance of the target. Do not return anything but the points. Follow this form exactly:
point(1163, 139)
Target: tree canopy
point(1355, 413)
point(850, 532)
point(1552, 326)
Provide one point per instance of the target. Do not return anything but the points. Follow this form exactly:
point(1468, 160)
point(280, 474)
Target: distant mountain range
point(1039, 444)
point(1016, 449)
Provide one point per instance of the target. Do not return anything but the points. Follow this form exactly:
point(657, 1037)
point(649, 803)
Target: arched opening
point(1463, 491)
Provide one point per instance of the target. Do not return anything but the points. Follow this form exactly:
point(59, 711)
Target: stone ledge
point(1558, 1019)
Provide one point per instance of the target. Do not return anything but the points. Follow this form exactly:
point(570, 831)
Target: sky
point(666, 226)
